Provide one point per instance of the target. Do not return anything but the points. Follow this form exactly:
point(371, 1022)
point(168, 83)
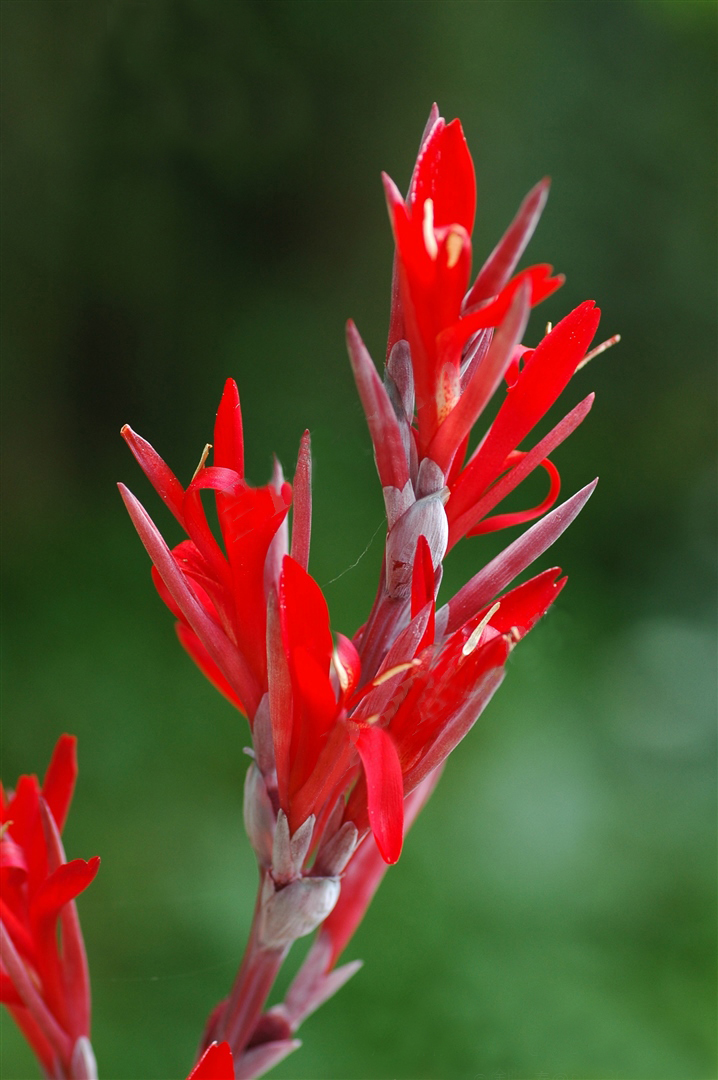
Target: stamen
point(428, 227)
point(392, 671)
point(599, 349)
point(341, 671)
point(4, 828)
point(454, 247)
point(205, 455)
point(471, 643)
point(549, 327)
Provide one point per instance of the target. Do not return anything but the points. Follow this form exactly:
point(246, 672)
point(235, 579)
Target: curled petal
point(520, 517)
point(385, 793)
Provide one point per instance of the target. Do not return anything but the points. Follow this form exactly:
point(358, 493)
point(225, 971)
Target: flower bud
point(426, 517)
point(259, 820)
point(296, 910)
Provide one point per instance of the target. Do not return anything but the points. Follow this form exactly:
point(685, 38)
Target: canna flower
point(44, 980)
point(218, 597)
point(350, 735)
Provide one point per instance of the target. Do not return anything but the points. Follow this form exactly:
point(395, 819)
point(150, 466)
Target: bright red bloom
point(347, 729)
point(458, 343)
point(217, 596)
point(44, 981)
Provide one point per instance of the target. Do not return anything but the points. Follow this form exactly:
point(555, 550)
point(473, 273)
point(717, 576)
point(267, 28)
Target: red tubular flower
point(350, 736)
point(217, 596)
point(460, 341)
point(44, 981)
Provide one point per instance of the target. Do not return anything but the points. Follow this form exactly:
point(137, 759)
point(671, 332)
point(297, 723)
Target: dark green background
point(191, 190)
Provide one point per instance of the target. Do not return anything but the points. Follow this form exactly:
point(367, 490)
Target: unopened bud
point(259, 820)
point(399, 379)
point(296, 910)
point(290, 851)
point(426, 517)
point(336, 853)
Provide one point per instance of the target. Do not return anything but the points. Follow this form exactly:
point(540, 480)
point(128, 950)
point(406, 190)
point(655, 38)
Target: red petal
point(157, 472)
point(500, 264)
point(302, 507)
point(444, 172)
point(215, 1064)
point(60, 777)
point(305, 615)
point(422, 588)
point(220, 648)
point(520, 517)
point(385, 792)
point(8, 993)
point(460, 523)
point(67, 882)
point(228, 438)
point(542, 379)
point(502, 570)
point(521, 608)
point(381, 419)
point(487, 376)
point(280, 698)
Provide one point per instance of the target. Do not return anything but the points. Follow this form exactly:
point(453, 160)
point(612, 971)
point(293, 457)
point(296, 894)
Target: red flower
point(217, 596)
point(447, 351)
point(45, 984)
point(346, 730)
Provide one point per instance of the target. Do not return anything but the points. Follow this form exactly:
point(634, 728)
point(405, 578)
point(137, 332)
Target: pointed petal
point(502, 261)
point(60, 777)
point(280, 698)
point(383, 425)
point(522, 608)
point(385, 794)
point(544, 376)
point(215, 1064)
point(486, 378)
point(461, 523)
point(221, 650)
point(76, 975)
point(228, 437)
point(502, 570)
point(302, 505)
point(157, 472)
point(63, 885)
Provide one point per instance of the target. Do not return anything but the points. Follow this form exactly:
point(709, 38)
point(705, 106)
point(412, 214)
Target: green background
point(191, 190)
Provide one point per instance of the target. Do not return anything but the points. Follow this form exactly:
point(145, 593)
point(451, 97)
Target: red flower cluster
point(43, 982)
point(355, 725)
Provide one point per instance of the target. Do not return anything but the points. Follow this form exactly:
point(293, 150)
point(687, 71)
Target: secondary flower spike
point(350, 734)
point(44, 981)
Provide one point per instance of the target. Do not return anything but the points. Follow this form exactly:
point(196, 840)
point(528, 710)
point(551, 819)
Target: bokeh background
point(191, 190)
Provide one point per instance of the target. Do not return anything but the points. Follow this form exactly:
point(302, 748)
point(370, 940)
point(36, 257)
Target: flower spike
point(350, 734)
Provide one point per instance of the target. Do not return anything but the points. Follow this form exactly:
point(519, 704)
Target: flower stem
point(255, 978)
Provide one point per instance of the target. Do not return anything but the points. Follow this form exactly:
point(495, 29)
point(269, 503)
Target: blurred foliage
point(191, 190)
